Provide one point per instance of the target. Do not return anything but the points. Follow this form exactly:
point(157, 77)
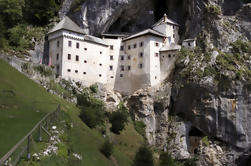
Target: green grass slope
point(23, 103)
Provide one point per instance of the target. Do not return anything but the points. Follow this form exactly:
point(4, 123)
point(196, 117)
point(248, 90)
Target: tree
point(92, 117)
point(143, 157)
point(118, 120)
point(107, 148)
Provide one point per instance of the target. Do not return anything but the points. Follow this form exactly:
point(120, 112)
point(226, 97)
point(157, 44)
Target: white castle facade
point(122, 63)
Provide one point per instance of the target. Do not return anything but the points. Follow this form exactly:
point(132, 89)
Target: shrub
point(143, 157)
point(118, 120)
point(107, 149)
point(140, 127)
point(94, 88)
point(213, 9)
point(43, 70)
point(166, 160)
point(205, 141)
point(92, 117)
point(62, 150)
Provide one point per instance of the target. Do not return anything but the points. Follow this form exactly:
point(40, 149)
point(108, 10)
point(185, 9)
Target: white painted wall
point(189, 44)
point(168, 30)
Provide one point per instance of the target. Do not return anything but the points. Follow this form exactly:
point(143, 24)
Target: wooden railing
point(42, 125)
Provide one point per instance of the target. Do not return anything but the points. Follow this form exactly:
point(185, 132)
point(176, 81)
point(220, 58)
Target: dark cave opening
point(195, 132)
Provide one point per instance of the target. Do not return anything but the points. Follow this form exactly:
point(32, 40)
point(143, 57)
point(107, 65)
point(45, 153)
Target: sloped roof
point(95, 40)
point(171, 47)
point(67, 24)
point(145, 32)
point(163, 20)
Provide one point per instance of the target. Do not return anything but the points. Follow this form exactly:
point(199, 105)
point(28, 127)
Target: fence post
point(40, 136)
point(28, 148)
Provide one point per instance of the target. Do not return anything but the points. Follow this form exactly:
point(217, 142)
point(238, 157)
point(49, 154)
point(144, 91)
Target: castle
point(123, 63)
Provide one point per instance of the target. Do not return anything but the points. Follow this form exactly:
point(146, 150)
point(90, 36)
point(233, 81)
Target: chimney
point(165, 17)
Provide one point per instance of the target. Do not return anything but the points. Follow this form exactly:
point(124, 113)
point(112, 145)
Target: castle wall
point(168, 30)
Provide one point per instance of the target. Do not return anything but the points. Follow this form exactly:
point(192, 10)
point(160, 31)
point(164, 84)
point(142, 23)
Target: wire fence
point(39, 132)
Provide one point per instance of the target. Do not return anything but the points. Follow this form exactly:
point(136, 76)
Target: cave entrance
point(195, 136)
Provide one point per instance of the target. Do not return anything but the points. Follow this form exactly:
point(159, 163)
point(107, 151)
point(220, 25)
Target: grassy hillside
point(23, 103)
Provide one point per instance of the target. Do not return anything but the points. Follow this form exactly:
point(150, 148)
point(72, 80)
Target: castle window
point(129, 47)
point(122, 57)
point(141, 54)
point(169, 55)
point(100, 52)
point(68, 70)
point(121, 48)
point(76, 71)
point(69, 56)
point(69, 43)
point(57, 43)
point(77, 58)
point(111, 67)
point(140, 65)
point(128, 57)
point(135, 45)
point(57, 68)
point(129, 67)
point(84, 73)
point(111, 57)
point(155, 77)
point(100, 64)
point(141, 44)
point(157, 44)
point(173, 35)
point(189, 44)
point(77, 45)
point(111, 77)
point(85, 49)
point(111, 47)
point(85, 61)
point(100, 75)
point(57, 56)
point(121, 75)
point(173, 55)
point(122, 68)
point(156, 54)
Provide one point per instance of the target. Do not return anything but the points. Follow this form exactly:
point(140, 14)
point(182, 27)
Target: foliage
point(166, 160)
point(140, 127)
point(143, 157)
point(62, 150)
point(92, 117)
point(205, 141)
point(43, 70)
point(94, 88)
point(107, 148)
point(213, 9)
point(241, 47)
point(118, 120)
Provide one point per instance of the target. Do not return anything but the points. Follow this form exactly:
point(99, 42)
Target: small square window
point(155, 77)
point(156, 54)
point(129, 67)
point(111, 57)
point(135, 45)
point(85, 49)
point(76, 71)
point(77, 45)
point(121, 75)
point(68, 70)
point(69, 43)
point(122, 68)
point(69, 56)
point(77, 58)
point(128, 57)
point(189, 44)
point(129, 47)
point(100, 75)
point(85, 61)
point(111, 47)
point(141, 66)
point(111, 77)
point(173, 55)
point(157, 44)
point(141, 44)
point(57, 56)
point(141, 54)
point(111, 68)
point(169, 55)
point(121, 48)
point(122, 58)
point(100, 64)
point(58, 43)
point(173, 35)
point(100, 52)
point(84, 73)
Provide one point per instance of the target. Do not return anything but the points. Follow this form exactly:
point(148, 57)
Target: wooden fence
point(41, 126)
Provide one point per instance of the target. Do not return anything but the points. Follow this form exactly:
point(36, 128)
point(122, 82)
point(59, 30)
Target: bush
point(94, 88)
point(107, 149)
point(166, 160)
point(213, 9)
point(43, 70)
point(62, 150)
point(118, 120)
point(92, 117)
point(143, 157)
point(140, 127)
